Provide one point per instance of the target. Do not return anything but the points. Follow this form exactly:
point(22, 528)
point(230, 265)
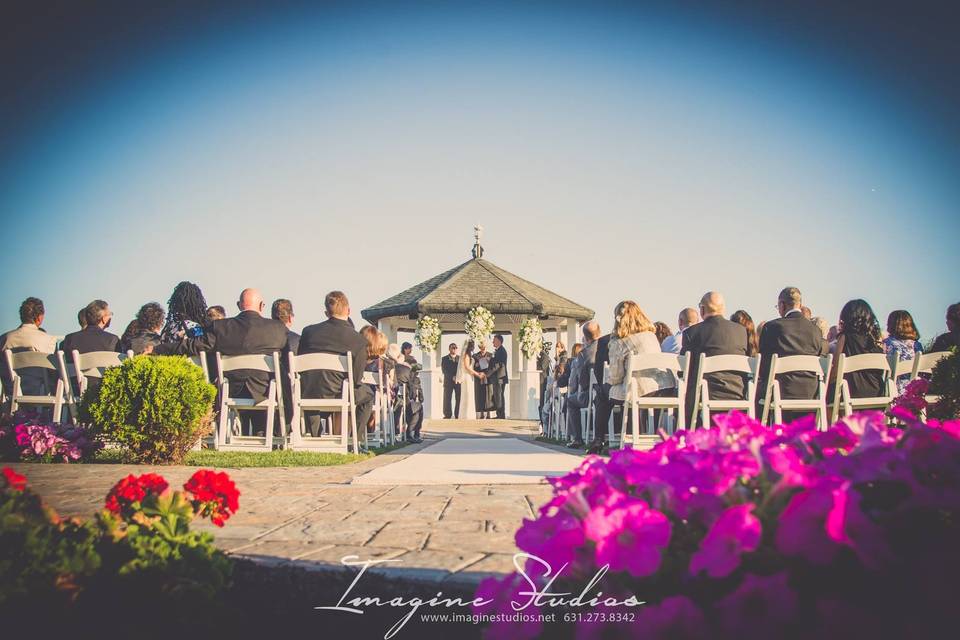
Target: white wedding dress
point(468, 406)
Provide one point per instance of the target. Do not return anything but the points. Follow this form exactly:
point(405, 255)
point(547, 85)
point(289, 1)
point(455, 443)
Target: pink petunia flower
point(736, 531)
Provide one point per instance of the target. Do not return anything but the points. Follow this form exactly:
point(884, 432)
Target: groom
point(498, 375)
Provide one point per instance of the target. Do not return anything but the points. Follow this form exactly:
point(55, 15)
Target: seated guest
point(903, 339)
point(336, 335)
point(662, 330)
point(859, 333)
point(406, 349)
point(687, 318)
point(806, 312)
point(82, 318)
point(951, 339)
point(93, 337)
point(715, 336)
point(822, 326)
point(790, 335)
point(633, 333)
point(561, 353)
point(216, 312)
point(409, 404)
point(282, 310)
point(30, 337)
point(376, 348)
point(186, 313)
point(143, 332)
point(753, 342)
point(248, 333)
point(564, 379)
point(578, 385)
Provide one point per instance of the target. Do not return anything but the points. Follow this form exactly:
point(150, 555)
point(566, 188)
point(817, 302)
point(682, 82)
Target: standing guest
point(483, 391)
point(143, 333)
point(335, 335)
point(216, 312)
point(186, 314)
point(406, 349)
point(753, 343)
point(687, 318)
point(578, 385)
point(859, 333)
point(902, 339)
point(282, 310)
point(822, 326)
point(29, 336)
point(791, 335)
point(633, 332)
point(561, 353)
point(663, 331)
point(951, 339)
point(248, 333)
point(93, 337)
point(449, 365)
point(715, 336)
point(499, 375)
point(543, 366)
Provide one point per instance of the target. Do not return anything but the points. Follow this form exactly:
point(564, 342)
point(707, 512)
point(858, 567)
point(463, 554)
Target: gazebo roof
point(477, 282)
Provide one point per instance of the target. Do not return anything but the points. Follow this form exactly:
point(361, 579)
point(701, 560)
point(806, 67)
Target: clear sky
point(610, 153)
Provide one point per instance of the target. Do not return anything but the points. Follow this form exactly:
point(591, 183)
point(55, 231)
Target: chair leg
point(705, 407)
point(268, 431)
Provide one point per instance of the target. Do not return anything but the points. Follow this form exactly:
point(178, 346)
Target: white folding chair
point(92, 365)
point(228, 435)
point(345, 404)
point(714, 364)
point(558, 428)
point(589, 413)
point(34, 360)
point(924, 363)
point(201, 361)
point(380, 436)
point(637, 363)
point(773, 398)
point(862, 362)
point(900, 367)
point(68, 373)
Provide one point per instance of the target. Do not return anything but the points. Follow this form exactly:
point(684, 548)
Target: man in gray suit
point(578, 395)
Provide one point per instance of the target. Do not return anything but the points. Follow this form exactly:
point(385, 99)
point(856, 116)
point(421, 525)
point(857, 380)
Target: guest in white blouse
point(633, 332)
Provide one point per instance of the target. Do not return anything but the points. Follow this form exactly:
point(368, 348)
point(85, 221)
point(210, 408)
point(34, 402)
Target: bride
point(465, 376)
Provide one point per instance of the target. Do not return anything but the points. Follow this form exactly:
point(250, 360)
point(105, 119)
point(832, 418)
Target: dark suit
point(409, 381)
point(716, 336)
point(336, 336)
point(293, 344)
point(88, 340)
point(293, 341)
point(792, 335)
point(946, 341)
point(449, 367)
point(498, 375)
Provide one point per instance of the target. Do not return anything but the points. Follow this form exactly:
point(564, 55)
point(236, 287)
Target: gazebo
point(448, 297)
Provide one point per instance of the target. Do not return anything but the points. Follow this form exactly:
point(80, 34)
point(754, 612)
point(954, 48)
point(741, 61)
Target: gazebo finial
point(477, 249)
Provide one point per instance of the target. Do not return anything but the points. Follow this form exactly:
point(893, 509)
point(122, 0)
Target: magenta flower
point(758, 608)
point(735, 532)
point(802, 530)
point(677, 617)
point(629, 536)
point(555, 539)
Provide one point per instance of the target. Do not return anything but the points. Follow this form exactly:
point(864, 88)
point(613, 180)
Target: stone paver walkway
point(314, 516)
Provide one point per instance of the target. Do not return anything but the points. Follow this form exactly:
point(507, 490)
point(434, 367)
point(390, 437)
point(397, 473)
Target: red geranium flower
point(14, 480)
point(132, 490)
point(214, 495)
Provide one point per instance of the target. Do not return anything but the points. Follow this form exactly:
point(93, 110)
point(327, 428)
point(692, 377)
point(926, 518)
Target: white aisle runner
point(475, 461)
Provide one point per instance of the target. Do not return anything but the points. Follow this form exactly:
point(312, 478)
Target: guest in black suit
point(337, 335)
point(951, 339)
point(93, 337)
point(143, 332)
point(249, 333)
point(448, 365)
point(791, 335)
point(282, 310)
point(498, 375)
point(715, 336)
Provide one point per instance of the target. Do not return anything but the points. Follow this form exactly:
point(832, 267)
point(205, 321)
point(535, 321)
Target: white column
point(389, 330)
point(514, 401)
point(571, 335)
point(528, 389)
point(432, 385)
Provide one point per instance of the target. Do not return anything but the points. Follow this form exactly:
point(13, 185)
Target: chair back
point(925, 362)
point(900, 367)
point(323, 362)
point(29, 360)
point(201, 361)
point(250, 362)
point(93, 363)
point(739, 364)
point(671, 362)
point(866, 362)
point(791, 364)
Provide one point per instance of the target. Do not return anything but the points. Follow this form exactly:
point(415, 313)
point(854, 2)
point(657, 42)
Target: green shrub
point(155, 407)
point(945, 382)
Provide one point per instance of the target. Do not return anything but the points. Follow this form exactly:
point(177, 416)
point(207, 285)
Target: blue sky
point(610, 154)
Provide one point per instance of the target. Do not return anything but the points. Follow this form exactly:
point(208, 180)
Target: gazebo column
point(388, 330)
point(431, 378)
point(514, 407)
point(526, 396)
point(571, 335)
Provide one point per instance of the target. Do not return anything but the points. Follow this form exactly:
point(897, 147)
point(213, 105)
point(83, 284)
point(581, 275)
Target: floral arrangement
point(744, 530)
point(27, 437)
point(531, 337)
point(479, 324)
point(427, 335)
point(137, 556)
point(943, 383)
point(913, 400)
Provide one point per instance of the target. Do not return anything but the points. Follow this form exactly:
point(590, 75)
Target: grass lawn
point(276, 458)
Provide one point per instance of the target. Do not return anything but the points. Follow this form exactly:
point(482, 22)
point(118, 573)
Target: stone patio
point(312, 517)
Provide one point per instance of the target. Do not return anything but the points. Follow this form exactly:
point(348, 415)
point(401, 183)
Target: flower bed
point(744, 530)
point(25, 436)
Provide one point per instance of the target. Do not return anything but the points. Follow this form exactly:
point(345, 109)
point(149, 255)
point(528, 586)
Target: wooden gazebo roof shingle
point(477, 282)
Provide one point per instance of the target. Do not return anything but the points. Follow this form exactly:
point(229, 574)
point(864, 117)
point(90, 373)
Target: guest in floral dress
point(903, 340)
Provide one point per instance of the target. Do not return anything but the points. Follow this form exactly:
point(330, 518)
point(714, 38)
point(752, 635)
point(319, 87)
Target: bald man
point(687, 318)
point(715, 336)
point(246, 333)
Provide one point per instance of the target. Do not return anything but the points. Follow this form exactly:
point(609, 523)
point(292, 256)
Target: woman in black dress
point(859, 333)
point(484, 391)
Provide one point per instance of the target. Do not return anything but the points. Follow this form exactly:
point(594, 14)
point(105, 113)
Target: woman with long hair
point(466, 373)
point(902, 339)
point(859, 332)
point(663, 331)
point(186, 313)
point(753, 342)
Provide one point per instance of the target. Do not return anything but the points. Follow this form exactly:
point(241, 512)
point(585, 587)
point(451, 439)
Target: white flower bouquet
point(531, 337)
point(479, 324)
point(427, 335)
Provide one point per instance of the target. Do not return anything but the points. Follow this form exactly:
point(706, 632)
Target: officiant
point(498, 376)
